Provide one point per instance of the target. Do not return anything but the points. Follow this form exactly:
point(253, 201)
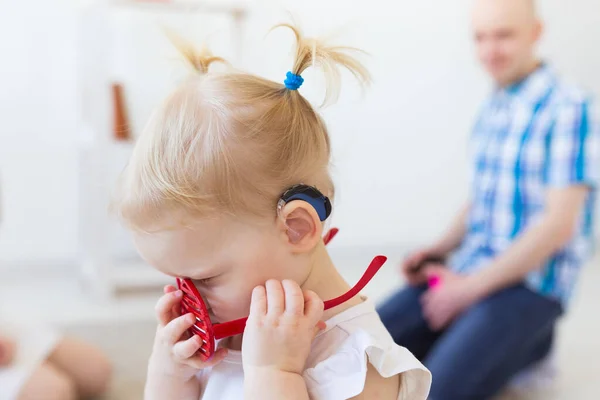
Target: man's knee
point(402, 315)
point(402, 302)
point(401, 310)
point(468, 361)
point(450, 384)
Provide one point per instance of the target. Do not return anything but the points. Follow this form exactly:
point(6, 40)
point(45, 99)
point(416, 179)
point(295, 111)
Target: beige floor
point(125, 330)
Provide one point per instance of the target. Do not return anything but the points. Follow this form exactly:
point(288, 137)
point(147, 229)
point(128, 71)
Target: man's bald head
point(506, 33)
point(523, 11)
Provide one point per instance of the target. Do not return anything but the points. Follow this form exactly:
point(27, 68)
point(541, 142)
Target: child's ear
point(302, 225)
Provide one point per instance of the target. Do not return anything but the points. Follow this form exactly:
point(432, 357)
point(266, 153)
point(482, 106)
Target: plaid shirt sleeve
point(574, 147)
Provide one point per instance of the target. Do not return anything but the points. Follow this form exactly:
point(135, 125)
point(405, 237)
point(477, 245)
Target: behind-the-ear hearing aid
point(309, 194)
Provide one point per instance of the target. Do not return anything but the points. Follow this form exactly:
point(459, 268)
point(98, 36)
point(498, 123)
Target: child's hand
point(7, 351)
point(281, 326)
point(174, 352)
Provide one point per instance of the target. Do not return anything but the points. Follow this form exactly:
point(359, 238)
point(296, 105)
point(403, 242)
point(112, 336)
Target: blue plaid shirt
point(534, 135)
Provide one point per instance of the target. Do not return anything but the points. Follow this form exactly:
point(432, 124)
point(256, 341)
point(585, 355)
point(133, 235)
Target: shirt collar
point(532, 89)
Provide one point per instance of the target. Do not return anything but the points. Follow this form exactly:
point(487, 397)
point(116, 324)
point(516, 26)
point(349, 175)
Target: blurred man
point(519, 243)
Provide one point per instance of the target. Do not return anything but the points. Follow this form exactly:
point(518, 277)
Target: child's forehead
point(198, 235)
point(177, 251)
point(202, 249)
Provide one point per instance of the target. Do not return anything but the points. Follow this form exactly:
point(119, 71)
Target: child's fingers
point(175, 329)
point(275, 298)
point(294, 299)
point(169, 289)
point(313, 306)
point(196, 361)
point(187, 348)
point(164, 306)
point(258, 304)
point(176, 310)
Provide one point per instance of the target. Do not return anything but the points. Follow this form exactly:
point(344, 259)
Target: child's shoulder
point(339, 359)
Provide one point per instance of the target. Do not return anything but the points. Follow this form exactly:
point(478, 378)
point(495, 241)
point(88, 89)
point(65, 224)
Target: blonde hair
point(231, 142)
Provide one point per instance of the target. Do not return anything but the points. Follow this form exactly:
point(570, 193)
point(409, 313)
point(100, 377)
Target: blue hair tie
point(293, 81)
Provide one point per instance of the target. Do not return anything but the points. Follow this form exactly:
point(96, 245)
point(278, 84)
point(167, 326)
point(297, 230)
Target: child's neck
point(325, 280)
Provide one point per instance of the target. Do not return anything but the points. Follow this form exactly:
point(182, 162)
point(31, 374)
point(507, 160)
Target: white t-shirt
point(337, 364)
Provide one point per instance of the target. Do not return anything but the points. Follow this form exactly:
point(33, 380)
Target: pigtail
point(200, 58)
point(330, 59)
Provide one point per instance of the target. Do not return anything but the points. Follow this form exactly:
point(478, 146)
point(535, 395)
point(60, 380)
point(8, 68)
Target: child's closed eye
point(207, 281)
point(203, 281)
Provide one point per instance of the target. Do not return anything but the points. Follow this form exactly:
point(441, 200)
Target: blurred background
point(399, 148)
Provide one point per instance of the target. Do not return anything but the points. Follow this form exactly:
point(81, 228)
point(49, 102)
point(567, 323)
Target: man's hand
point(450, 298)
point(412, 268)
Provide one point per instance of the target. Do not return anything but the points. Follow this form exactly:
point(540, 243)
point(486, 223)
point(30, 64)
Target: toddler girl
point(206, 193)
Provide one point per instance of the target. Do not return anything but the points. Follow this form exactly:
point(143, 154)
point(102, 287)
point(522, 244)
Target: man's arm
point(537, 244)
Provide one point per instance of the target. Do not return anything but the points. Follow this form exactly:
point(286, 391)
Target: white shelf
point(102, 245)
point(61, 300)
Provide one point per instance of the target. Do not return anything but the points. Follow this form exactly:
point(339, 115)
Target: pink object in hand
point(434, 281)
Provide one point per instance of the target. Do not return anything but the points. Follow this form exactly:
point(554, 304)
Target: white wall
point(37, 131)
point(399, 153)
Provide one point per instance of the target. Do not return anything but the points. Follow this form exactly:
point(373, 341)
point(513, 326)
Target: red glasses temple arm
point(236, 327)
point(372, 269)
point(330, 235)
